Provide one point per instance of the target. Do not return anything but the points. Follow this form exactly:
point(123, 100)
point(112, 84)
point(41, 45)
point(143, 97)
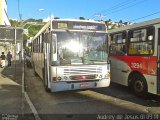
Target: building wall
point(4, 20)
point(0, 12)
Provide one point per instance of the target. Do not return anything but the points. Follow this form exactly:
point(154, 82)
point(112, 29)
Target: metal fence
point(9, 37)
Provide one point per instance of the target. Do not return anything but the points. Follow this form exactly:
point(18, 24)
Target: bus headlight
point(59, 78)
point(65, 78)
point(107, 75)
point(100, 76)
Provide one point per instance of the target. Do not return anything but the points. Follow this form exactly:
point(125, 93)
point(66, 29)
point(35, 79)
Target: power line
point(126, 7)
point(121, 5)
point(145, 16)
point(116, 6)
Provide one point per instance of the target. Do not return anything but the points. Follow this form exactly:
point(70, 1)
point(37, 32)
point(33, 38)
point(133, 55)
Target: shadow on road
point(114, 99)
point(13, 72)
point(124, 93)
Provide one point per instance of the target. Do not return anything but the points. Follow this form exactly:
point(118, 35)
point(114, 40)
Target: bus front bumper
point(65, 86)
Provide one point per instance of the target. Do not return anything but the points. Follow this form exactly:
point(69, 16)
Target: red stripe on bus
point(144, 64)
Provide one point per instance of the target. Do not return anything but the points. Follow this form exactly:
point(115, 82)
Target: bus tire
point(47, 89)
point(139, 85)
point(45, 86)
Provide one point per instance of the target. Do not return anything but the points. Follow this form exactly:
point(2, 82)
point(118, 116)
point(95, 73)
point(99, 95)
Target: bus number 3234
point(136, 65)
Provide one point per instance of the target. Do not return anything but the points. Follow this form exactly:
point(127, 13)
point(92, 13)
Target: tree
point(56, 18)
point(120, 21)
point(81, 18)
point(14, 22)
point(33, 30)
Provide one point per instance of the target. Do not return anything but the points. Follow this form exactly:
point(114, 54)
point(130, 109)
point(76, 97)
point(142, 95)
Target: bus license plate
point(85, 85)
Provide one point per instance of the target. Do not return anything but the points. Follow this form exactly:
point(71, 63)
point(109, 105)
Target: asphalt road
point(104, 103)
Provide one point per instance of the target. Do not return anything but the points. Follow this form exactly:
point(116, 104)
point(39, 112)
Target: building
point(4, 19)
point(112, 25)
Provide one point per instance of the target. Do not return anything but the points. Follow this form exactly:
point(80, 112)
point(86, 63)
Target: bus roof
point(136, 25)
point(79, 20)
point(48, 24)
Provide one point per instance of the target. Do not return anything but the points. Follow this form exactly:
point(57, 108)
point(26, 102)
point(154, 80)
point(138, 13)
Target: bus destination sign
point(71, 25)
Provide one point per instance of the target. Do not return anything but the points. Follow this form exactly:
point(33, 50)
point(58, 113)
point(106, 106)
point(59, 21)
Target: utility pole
point(20, 15)
point(100, 16)
point(15, 48)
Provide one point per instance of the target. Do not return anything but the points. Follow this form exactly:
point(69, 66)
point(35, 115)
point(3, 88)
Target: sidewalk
point(12, 101)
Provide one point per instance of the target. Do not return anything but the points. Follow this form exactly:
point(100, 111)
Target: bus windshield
point(76, 48)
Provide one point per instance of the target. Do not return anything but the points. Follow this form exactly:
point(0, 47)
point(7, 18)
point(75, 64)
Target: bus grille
point(83, 77)
point(82, 71)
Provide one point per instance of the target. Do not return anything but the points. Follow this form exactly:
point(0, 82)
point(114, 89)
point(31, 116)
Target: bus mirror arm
point(108, 61)
point(125, 71)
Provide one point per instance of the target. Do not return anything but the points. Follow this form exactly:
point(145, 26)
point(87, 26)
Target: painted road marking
point(34, 111)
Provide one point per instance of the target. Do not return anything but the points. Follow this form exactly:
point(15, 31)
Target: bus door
point(119, 67)
point(46, 61)
point(158, 70)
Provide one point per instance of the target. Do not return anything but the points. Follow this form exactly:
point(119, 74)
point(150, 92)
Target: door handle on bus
point(125, 71)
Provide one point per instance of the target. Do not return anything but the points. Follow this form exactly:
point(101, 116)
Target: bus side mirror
point(108, 61)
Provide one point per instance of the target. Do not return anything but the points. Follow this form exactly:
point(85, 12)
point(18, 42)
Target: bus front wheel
point(139, 85)
point(45, 82)
point(35, 73)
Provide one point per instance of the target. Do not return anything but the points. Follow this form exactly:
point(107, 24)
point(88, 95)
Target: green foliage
point(33, 26)
point(33, 20)
point(33, 30)
point(25, 37)
point(14, 23)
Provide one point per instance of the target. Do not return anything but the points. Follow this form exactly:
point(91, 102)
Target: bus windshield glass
point(76, 48)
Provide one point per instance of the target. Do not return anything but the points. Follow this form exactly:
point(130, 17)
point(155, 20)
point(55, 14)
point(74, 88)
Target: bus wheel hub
point(139, 86)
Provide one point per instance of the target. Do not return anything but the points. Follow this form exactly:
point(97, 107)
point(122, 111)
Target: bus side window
point(123, 49)
point(118, 45)
point(132, 49)
point(117, 50)
point(42, 45)
point(141, 41)
point(112, 50)
point(150, 33)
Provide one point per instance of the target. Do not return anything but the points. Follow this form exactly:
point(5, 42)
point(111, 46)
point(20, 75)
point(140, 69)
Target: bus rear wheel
point(139, 85)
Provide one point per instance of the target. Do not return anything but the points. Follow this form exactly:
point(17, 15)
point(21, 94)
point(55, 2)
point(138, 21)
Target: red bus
point(134, 52)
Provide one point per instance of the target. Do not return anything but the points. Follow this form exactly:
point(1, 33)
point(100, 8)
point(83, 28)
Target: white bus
point(135, 56)
point(71, 54)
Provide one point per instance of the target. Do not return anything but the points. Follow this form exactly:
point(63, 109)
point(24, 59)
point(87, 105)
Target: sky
point(116, 10)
